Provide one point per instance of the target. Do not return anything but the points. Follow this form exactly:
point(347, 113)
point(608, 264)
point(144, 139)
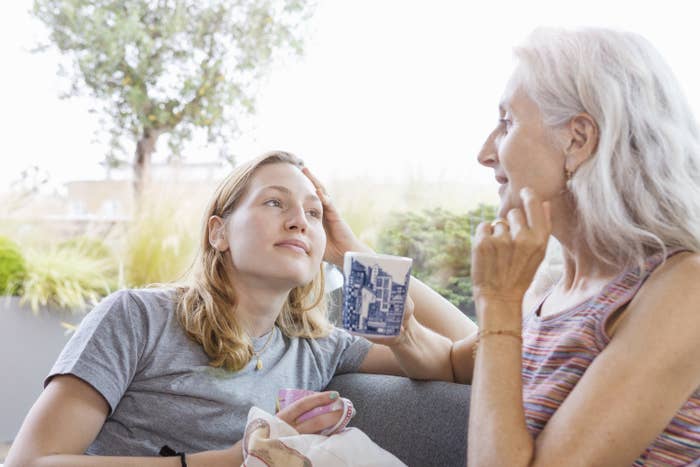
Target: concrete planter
point(29, 346)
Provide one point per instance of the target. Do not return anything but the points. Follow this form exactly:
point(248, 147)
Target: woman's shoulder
point(157, 297)
point(671, 292)
point(140, 303)
point(679, 271)
point(335, 338)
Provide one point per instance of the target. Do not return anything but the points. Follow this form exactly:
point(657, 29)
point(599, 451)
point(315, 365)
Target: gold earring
point(568, 173)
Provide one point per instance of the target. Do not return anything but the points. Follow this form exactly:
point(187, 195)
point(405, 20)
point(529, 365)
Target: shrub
point(89, 246)
point(440, 244)
point(161, 240)
point(64, 276)
point(12, 267)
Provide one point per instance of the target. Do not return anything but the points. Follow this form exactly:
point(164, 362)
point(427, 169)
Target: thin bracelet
point(498, 332)
point(167, 451)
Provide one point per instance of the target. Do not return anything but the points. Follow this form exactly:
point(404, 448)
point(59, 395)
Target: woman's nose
point(297, 220)
point(487, 155)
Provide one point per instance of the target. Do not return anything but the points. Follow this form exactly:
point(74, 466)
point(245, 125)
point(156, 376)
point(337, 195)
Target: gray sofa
point(423, 423)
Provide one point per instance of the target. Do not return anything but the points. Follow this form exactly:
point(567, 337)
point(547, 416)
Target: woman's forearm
point(501, 436)
point(223, 458)
point(436, 313)
point(424, 354)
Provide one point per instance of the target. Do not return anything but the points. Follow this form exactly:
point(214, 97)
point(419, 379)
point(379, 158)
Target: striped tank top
point(557, 349)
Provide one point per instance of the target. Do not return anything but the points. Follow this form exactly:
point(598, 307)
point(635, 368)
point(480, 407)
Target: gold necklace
point(256, 354)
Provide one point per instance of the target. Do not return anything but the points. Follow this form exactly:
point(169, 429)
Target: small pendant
point(259, 365)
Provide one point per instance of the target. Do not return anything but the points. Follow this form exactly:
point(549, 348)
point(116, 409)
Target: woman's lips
point(295, 244)
point(296, 248)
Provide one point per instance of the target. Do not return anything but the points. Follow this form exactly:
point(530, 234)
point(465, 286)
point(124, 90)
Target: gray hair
point(640, 192)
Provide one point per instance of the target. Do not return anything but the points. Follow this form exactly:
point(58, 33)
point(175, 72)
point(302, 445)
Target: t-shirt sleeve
point(105, 349)
point(341, 352)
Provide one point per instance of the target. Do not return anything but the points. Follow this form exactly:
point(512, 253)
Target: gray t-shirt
point(160, 387)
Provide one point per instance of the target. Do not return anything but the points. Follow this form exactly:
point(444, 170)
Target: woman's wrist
point(490, 295)
point(498, 312)
point(234, 454)
point(224, 458)
point(408, 334)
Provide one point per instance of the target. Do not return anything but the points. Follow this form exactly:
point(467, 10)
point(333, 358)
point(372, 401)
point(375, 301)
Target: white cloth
point(270, 442)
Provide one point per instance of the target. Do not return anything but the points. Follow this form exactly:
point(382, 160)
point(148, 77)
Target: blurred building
point(99, 205)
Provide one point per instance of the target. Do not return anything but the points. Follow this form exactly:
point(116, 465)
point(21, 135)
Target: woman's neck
point(258, 308)
point(581, 265)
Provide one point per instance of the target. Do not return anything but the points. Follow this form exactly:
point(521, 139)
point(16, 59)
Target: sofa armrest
point(423, 423)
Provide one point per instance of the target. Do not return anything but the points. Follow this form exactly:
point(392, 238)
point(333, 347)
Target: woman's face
point(276, 234)
point(522, 151)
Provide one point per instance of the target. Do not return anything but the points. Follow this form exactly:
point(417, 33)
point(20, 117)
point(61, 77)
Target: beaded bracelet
point(499, 332)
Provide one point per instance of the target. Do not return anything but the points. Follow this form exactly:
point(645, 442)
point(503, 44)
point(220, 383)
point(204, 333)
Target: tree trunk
point(142, 166)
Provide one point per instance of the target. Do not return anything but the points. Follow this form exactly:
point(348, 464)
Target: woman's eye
point(315, 213)
point(275, 203)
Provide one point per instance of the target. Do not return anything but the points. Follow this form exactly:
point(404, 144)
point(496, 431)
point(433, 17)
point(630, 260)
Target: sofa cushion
point(423, 423)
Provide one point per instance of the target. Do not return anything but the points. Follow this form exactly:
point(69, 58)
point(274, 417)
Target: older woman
point(596, 146)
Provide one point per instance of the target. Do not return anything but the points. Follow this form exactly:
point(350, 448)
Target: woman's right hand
point(339, 236)
point(315, 424)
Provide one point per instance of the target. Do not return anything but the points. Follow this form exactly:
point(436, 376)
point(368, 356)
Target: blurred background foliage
point(158, 246)
point(439, 241)
point(166, 69)
point(169, 67)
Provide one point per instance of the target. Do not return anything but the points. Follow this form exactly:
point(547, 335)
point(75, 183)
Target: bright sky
point(386, 89)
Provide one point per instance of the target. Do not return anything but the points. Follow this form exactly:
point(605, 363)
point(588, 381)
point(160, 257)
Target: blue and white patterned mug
point(374, 292)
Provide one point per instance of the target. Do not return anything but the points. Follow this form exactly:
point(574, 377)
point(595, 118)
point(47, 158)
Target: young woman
point(596, 146)
point(181, 366)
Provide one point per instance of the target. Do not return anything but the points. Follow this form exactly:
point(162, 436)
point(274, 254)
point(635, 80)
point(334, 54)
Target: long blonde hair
point(206, 303)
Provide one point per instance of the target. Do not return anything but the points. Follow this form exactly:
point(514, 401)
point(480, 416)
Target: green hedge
point(439, 242)
point(12, 267)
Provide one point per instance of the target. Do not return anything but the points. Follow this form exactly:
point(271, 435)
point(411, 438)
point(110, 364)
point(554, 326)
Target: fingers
point(507, 251)
point(483, 251)
point(303, 405)
point(537, 214)
point(315, 181)
point(484, 229)
point(320, 189)
point(517, 222)
point(408, 308)
point(329, 210)
point(320, 422)
point(547, 206)
point(500, 228)
point(297, 414)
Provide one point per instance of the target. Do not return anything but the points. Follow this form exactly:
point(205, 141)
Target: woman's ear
point(217, 233)
point(581, 141)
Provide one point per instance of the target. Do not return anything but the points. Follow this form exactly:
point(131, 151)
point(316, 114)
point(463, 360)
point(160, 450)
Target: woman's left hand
point(506, 254)
point(315, 424)
point(339, 236)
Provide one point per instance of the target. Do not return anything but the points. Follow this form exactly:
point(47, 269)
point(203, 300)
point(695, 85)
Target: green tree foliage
point(440, 244)
point(12, 267)
point(170, 66)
